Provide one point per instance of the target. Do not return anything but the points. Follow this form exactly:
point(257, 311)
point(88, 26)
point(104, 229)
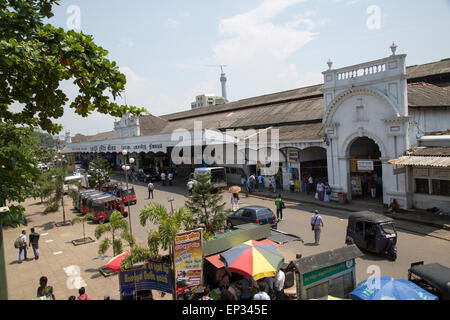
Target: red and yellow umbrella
point(114, 263)
point(253, 259)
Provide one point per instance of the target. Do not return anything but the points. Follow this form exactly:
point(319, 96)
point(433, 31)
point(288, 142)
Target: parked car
point(252, 214)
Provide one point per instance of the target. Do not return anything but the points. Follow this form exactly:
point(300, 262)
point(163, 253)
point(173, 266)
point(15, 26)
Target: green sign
point(318, 275)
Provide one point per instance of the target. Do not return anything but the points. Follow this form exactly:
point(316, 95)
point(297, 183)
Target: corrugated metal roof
point(431, 151)
point(424, 70)
point(440, 162)
point(423, 94)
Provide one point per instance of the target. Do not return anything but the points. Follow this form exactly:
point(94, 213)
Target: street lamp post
point(125, 168)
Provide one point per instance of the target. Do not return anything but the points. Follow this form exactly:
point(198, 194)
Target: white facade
point(126, 127)
point(367, 100)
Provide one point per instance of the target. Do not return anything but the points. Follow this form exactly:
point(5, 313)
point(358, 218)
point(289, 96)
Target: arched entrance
point(365, 169)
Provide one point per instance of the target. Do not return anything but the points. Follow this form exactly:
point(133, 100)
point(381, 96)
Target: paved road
point(415, 242)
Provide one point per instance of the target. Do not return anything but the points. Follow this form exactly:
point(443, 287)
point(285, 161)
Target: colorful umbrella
point(253, 259)
point(387, 288)
point(114, 263)
point(234, 189)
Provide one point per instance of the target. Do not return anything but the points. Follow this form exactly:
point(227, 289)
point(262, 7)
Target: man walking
point(310, 185)
point(170, 177)
point(150, 187)
point(278, 285)
point(23, 246)
point(260, 183)
point(317, 225)
point(34, 242)
point(190, 186)
point(279, 205)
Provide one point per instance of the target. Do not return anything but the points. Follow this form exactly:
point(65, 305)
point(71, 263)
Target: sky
point(165, 48)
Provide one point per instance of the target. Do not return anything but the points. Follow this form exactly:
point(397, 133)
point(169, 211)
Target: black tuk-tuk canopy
point(102, 200)
point(368, 216)
point(436, 275)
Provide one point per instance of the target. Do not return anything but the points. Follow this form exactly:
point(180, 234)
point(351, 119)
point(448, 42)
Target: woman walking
point(235, 202)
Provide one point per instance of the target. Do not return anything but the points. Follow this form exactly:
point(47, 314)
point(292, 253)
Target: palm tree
point(82, 220)
point(56, 188)
point(161, 238)
point(116, 225)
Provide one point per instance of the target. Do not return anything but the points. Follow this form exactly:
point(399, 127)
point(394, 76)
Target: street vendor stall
point(328, 273)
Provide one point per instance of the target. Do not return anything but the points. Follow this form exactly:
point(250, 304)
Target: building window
point(360, 113)
point(422, 186)
point(441, 187)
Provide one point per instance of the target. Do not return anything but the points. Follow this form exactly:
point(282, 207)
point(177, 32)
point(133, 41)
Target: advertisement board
point(188, 260)
point(151, 276)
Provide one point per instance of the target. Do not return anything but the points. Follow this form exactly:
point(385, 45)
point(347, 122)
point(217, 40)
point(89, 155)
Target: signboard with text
point(365, 165)
point(151, 276)
point(188, 260)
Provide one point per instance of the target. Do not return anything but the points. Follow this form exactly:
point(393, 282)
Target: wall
point(426, 121)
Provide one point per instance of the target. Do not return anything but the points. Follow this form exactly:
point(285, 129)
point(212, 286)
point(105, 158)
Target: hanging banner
point(151, 276)
point(188, 260)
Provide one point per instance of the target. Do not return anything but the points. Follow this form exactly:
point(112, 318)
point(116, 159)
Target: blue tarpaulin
point(387, 288)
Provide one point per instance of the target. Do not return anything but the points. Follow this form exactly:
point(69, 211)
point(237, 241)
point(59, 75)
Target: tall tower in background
point(223, 81)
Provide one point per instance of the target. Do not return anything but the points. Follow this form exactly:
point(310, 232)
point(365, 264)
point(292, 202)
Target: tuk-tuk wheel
point(393, 257)
point(125, 215)
point(101, 221)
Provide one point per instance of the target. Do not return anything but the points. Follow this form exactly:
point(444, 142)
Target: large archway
point(365, 169)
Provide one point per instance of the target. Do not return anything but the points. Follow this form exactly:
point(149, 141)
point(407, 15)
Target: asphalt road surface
point(415, 242)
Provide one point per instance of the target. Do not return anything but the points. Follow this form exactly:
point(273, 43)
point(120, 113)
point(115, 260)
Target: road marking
point(48, 241)
point(56, 253)
point(44, 234)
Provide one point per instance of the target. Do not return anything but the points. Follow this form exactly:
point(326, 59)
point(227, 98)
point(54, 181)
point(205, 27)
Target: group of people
point(22, 244)
point(323, 192)
point(250, 183)
point(269, 288)
point(168, 177)
point(370, 183)
point(45, 292)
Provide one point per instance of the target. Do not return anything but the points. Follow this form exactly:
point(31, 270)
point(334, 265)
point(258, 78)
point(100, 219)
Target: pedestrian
point(235, 202)
point(190, 186)
point(22, 242)
point(320, 191)
point(305, 184)
point(226, 294)
point(327, 195)
point(261, 294)
point(310, 184)
point(317, 225)
point(151, 188)
point(252, 182)
point(72, 298)
point(260, 183)
point(245, 289)
point(44, 290)
point(373, 188)
point(170, 178)
point(278, 285)
point(279, 205)
point(163, 178)
point(273, 182)
point(83, 294)
point(34, 242)
point(107, 297)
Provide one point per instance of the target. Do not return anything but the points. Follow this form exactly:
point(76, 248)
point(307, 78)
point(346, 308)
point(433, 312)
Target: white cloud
point(257, 50)
point(172, 23)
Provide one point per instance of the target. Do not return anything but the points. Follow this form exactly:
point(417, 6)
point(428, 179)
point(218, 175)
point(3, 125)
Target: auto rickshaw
point(103, 207)
point(434, 278)
point(372, 232)
point(126, 195)
point(82, 193)
point(109, 187)
point(86, 198)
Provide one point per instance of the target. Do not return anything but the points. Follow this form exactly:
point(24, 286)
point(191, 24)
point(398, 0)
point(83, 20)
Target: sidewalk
point(414, 215)
point(66, 266)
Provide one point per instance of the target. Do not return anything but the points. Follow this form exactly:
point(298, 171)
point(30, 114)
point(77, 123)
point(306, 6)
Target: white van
point(218, 175)
point(71, 181)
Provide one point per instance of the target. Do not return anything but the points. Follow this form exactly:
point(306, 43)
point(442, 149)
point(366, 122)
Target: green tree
point(116, 225)
point(161, 238)
point(83, 221)
point(207, 205)
point(36, 57)
point(99, 171)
